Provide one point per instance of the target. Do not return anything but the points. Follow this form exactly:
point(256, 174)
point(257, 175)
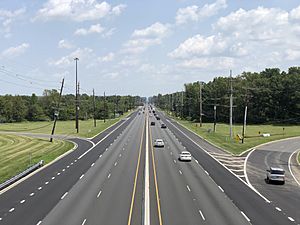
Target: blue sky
point(141, 47)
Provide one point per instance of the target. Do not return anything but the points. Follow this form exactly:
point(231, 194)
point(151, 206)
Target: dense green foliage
point(272, 96)
point(42, 108)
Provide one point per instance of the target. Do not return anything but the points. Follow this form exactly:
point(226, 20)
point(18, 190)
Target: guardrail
point(22, 174)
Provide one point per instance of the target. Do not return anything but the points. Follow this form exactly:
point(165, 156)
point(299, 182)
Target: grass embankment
point(19, 152)
point(221, 136)
point(86, 127)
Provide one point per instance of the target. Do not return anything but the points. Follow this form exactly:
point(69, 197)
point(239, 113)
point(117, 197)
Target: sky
point(141, 47)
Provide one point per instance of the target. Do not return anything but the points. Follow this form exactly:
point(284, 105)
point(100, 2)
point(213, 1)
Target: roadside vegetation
point(19, 152)
point(252, 138)
point(299, 158)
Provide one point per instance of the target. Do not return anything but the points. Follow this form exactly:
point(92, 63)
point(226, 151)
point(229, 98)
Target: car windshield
point(279, 172)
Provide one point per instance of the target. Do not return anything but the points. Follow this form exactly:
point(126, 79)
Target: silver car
point(275, 174)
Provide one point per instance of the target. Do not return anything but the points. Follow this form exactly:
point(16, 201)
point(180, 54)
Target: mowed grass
point(19, 152)
point(221, 136)
point(67, 128)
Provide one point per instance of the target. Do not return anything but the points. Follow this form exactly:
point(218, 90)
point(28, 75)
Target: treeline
point(271, 96)
point(42, 108)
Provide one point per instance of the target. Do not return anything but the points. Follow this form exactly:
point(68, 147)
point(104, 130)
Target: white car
point(275, 174)
point(159, 143)
point(185, 156)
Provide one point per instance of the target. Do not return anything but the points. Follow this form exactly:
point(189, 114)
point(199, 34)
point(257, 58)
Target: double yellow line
point(154, 174)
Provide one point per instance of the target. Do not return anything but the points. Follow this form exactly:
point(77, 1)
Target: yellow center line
point(155, 180)
point(136, 175)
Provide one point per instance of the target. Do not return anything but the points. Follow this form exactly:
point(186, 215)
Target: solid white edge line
point(247, 179)
point(92, 164)
point(65, 194)
point(290, 168)
point(246, 217)
point(221, 188)
point(201, 214)
point(146, 182)
point(250, 186)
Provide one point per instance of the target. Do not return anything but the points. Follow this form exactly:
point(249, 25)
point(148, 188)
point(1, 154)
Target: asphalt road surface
point(285, 197)
point(108, 180)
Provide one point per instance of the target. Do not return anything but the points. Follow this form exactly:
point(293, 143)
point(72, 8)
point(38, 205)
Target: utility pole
point(94, 106)
point(57, 110)
point(245, 117)
point(104, 108)
point(115, 103)
point(181, 104)
point(76, 98)
point(77, 119)
point(215, 117)
point(231, 104)
point(200, 103)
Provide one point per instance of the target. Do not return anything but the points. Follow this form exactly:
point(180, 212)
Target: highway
point(119, 177)
point(277, 154)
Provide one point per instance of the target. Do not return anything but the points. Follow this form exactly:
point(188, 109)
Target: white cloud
point(109, 33)
point(77, 10)
point(156, 30)
point(85, 55)
point(97, 28)
point(142, 39)
point(117, 10)
point(195, 13)
point(65, 44)
point(8, 18)
point(107, 58)
point(211, 63)
point(199, 46)
point(16, 51)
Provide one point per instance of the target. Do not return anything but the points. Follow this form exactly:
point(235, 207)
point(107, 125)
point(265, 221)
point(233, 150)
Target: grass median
point(19, 152)
point(253, 134)
point(86, 127)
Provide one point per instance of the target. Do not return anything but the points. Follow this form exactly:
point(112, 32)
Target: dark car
point(152, 123)
point(157, 117)
point(163, 125)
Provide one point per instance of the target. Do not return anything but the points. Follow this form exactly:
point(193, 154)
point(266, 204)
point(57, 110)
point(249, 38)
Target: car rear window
point(277, 172)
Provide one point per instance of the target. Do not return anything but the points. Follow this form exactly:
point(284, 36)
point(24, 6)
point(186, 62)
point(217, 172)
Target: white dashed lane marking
point(108, 176)
point(279, 209)
point(180, 172)
point(40, 188)
point(65, 194)
point(22, 201)
point(98, 195)
point(11, 210)
point(83, 222)
point(200, 212)
point(92, 164)
point(32, 194)
point(291, 219)
point(81, 176)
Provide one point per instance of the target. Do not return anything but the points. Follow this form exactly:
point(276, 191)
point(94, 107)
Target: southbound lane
point(187, 194)
point(255, 208)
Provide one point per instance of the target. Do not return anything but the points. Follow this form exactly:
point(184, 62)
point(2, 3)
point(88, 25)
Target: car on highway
point(163, 125)
point(157, 117)
point(185, 156)
point(159, 143)
point(152, 123)
point(275, 174)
